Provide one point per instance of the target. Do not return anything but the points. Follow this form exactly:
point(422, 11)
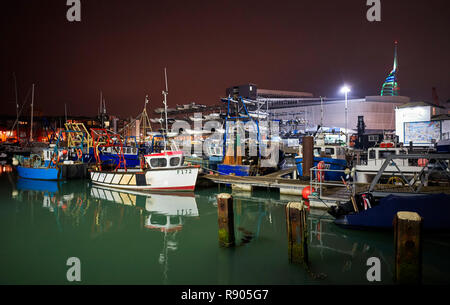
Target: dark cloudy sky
point(122, 46)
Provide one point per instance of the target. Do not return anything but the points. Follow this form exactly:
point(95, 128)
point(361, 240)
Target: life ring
point(79, 154)
point(320, 174)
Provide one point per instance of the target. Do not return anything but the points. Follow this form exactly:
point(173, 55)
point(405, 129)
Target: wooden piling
point(408, 248)
point(308, 155)
point(225, 219)
point(297, 232)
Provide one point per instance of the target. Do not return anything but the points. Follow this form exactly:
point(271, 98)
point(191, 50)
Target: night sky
point(121, 47)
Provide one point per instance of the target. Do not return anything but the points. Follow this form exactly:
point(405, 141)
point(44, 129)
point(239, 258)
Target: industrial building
point(308, 112)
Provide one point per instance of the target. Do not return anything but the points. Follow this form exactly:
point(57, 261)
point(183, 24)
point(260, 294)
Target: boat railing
point(438, 164)
point(318, 183)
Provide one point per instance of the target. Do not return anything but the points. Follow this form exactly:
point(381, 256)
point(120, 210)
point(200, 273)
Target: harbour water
point(130, 238)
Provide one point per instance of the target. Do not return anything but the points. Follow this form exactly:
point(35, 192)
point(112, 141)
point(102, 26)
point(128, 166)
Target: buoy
point(307, 191)
point(422, 162)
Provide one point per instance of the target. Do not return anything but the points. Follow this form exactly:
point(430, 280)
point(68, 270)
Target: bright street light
point(345, 89)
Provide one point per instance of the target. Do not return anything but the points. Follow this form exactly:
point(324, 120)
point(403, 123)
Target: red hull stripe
point(169, 153)
point(191, 188)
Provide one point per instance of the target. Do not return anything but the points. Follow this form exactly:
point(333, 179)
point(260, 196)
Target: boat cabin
point(170, 159)
point(377, 155)
point(329, 151)
point(48, 154)
point(326, 151)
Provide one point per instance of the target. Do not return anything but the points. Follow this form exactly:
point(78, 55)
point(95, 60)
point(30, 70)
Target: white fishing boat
point(165, 172)
point(376, 157)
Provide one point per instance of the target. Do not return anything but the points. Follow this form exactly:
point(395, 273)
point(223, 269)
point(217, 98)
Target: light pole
point(346, 90)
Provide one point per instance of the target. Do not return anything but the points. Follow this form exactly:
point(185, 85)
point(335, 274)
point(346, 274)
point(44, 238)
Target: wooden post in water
point(408, 248)
point(308, 155)
point(226, 219)
point(297, 232)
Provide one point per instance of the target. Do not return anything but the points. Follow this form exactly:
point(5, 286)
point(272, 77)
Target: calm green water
point(123, 238)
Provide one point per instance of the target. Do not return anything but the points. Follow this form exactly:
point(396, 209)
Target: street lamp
point(346, 90)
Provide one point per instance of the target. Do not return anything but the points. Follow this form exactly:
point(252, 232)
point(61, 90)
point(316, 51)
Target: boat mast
point(165, 104)
point(32, 103)
point(321, 112)
point(101, 108)
point(17, 107)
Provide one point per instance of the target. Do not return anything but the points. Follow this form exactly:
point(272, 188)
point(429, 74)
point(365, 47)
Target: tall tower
point(390, 85)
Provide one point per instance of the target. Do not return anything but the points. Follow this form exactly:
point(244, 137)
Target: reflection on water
point(126, 237)
point(164, 213)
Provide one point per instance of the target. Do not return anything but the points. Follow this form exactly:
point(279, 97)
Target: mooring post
point(297, 232)
point(226, 219)
point(308, 155)
point(408, 248)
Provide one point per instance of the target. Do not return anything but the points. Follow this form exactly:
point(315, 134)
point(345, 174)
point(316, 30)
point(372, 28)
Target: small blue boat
point(53, 164)
point(433, 208)
point(39, 173)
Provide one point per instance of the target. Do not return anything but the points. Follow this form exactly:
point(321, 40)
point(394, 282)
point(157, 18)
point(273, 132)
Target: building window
point(329, 151)
point(373, 138)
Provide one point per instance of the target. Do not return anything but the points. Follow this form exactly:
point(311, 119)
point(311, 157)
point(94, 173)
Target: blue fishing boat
point(52, 164)
point(111, 155)
point(332, 155)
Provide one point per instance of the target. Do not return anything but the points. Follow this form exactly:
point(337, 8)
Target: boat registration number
point(184, 171)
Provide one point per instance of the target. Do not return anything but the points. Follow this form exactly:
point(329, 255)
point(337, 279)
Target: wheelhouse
point(377, 155)
point(170, 159)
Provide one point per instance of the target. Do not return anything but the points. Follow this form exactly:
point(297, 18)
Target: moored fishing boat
point(164, 172)
point(52, 164)
point(376, 156)
point(333, 157)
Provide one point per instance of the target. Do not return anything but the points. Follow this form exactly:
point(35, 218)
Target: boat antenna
point(165, 93)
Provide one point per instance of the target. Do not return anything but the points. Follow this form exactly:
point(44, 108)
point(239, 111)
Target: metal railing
point(431, 163)
point(318, 184)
